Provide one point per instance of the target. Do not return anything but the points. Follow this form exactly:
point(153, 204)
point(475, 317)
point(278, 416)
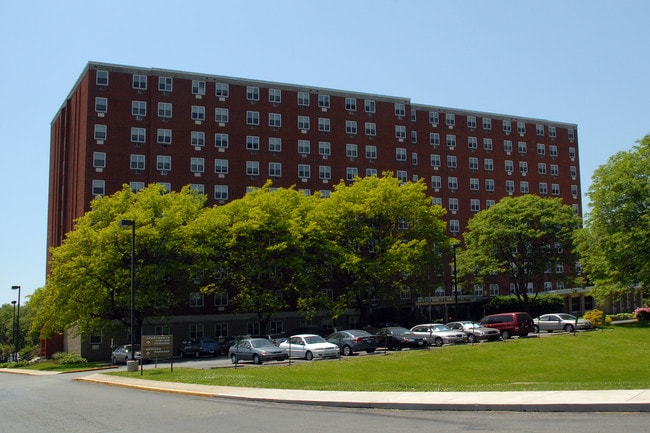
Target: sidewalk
point(520, 401)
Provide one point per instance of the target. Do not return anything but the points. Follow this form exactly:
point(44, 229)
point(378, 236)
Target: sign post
point(158, 347)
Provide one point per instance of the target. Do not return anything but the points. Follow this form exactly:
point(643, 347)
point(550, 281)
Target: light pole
point(13, 330)
point(17, 337)
point(131, 223)
point(454, 247)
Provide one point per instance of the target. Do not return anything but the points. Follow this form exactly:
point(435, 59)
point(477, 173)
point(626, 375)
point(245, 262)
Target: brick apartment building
point(224, 135)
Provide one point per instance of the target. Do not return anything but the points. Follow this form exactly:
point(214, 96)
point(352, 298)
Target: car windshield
point(473, 325)
point(260, 342)
point(441, 328)
point(567, 316)
point(400, 331)
point(314, 339)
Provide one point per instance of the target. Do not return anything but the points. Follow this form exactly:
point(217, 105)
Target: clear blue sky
point(583, 62)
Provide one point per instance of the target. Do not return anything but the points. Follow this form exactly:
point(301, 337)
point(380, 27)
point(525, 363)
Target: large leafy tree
point(88, 287)
point(381, 234)
point(615, 242)
point(521, 238)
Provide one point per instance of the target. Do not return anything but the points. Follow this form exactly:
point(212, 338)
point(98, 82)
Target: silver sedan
point(475, 331)
point(560, 322)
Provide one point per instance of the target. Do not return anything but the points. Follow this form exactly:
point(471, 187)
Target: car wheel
point(197, 354)
point(256, 359)
point(114, 360)
point(233, 359)
point(309, 356)
point(505, 335)
point(536, 329)
point(370, 351)
point(126, 360)
point(568, 328)
point(347, 351)
point(397, 346)
point(438, 341)
point(471, 338)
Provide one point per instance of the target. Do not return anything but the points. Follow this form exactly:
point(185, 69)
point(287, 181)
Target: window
point(138, 108)
point(541, 149)
point(487, 144)
point(571, 133)
point(400, 154)
point(222, 90)
point(138, 135)
point(351, 104)
point(163, 162)
point(351, 173)
point(539, 129)
point(414, 158)
point(221, 115)
point(304, 171)
point(252, 142)
point(371, 152)
point(435, 160)
point(303, 99)
point(324, 148)
point(454, 226)
point(303, 123)
point(221, 166)
point(453, 205)
point(572, 153)
point(275, 96)
point(523, 187)
point(507, 127)
point(370, 106)
point(197, 165)
point(507, 146)
point(450, 119)
point(521, 128)
point(474, 184)
point(252, 118)
point(221, 192)
point(252, 168)
point(452, 183)
point(164, 110)
point(324, 172)
point(472, 143)
point(489, 204)
point(99, 159)
point(414, 137)
point(275, 169)
point(510, 186)
point(351, 127)
point(552, 132)
point(509, 166)
point(252, 93)
point(324, 124)
point(523, 167)
point(165, 84)
point(351, 150)
point(98, 187)
point(541, 168)
point(543, 188)
point(136, 186)
point(221, 140)
point(573, 171)
point(452, 161)
point(475, 205)
point(137, 162)
point(574, 191)
point(552, 150)
point(101, 79)
point(488, 164)
point(555, 170)
point(436, 182)
point(139, 82)
point(471, 122)
point(101, 105)
point(434, 139)
point(197, 138)
point(489, 185)
point(555, 189)
point(521, 147)
point(400, 132)
point(304, 147)
point(473, 164)
point(164, 137)
point(100, 132)
point(196, 187)
point(487, 124)
point(451, 140)
point(371, 129)
point(275, 144)
point(324, 101)
point(275, 120)
point(434, 118)
point(400, 110)
point(198, 113)
point(198, 87)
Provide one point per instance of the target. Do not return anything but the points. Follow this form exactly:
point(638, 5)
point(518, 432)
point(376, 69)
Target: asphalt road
point(56, 403)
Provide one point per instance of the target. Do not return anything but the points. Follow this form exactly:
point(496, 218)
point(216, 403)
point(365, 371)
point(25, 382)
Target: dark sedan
point(258, 350)
point(397, 337)
point(353, 340)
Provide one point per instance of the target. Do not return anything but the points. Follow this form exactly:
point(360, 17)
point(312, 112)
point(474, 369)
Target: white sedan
point(309, 346)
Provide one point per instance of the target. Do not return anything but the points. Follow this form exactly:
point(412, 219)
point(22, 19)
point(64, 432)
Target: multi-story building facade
point(224, 135)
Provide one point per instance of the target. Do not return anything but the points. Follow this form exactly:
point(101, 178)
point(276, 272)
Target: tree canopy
point(523, 238)
point(615, 241)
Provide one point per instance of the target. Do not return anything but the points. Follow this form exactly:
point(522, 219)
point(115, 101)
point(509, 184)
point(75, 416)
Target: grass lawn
point(53, 366)
point(614, 358)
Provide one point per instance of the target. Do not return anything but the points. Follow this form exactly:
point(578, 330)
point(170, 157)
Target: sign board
point(157, 346)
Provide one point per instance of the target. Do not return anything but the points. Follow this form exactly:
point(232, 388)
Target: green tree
point(615, 241)
point(522, 238)
point(381, 235)
point(88, 287)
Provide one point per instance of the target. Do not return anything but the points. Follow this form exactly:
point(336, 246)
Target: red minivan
point(510, 324)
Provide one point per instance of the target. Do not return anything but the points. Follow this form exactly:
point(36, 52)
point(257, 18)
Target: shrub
point(596, 317)
point(642, 313)
point(620, 316)
point(69, 358)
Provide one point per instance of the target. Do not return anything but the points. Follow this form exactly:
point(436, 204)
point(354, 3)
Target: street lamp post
point(454, 247)
point(17, 337)
point(126, 223)
point(13, 330)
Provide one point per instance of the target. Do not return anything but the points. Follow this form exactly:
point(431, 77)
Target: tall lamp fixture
point(131, 223)
point(13, 330)
point(454, 247)
point(17, 335)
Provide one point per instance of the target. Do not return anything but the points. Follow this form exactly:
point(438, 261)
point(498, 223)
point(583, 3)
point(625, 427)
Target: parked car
point(224, 344)
point(201, 346)
point(309, 346)
point(258, 350)
point(475, 331)
point(351, 341)
point(438, 334)
point(397, 337)
point(560, 322)
point(509, 324)
point(276, 339)
point(122, 354)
